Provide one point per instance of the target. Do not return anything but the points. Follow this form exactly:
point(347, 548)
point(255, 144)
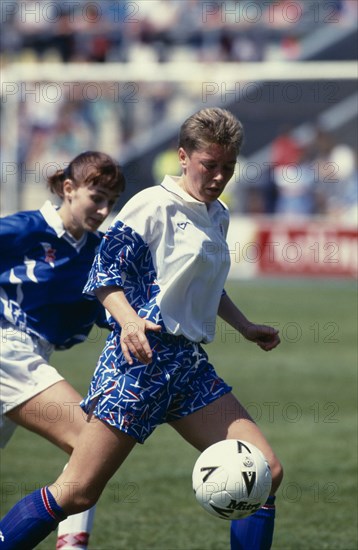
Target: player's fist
point(266, 337)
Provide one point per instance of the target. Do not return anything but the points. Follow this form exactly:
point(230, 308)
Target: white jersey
point(174, 244)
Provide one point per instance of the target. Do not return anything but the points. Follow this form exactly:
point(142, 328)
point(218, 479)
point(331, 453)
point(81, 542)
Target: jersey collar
point(53, 220)
point(170, 183)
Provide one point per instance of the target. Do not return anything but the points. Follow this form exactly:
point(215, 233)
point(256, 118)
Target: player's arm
point(14, 234)
point(133, 339)
point(264, 336)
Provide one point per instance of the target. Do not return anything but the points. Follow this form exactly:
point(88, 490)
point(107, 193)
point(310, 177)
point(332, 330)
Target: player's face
point(207, 171)
point(86, 207)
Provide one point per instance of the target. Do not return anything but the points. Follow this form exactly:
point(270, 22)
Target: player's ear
point(182, 157)
point(68, 188)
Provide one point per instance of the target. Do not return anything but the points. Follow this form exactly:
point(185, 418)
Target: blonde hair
point(89, 168)
point(208, 126)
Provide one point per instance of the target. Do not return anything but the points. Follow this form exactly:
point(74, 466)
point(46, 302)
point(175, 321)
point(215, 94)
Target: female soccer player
point(160, 273)
point(45, 259)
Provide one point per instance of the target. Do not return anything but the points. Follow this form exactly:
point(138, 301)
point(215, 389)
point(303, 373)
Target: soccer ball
point(231, 479)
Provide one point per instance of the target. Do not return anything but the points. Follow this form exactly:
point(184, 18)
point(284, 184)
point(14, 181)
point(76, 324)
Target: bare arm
point(265, 337)
point(133, 339)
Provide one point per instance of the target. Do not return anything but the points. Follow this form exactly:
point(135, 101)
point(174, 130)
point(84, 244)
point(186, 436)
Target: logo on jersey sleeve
point(50, 254)
point(182, 225)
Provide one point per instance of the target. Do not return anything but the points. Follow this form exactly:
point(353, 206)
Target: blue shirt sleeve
point(116, 257)
point(14, 230)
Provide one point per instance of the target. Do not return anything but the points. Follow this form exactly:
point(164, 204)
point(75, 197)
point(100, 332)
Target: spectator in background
point(34, 26)
point(295, 187)
point(335, 172)
point(285, 149)
point(286, 154)
point(63, 39)
point(342, 195)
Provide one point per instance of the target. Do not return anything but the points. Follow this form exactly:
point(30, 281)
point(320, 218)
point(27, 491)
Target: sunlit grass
point(303, 395)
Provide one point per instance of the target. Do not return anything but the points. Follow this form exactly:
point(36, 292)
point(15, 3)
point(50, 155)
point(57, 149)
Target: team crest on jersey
point(183, 225)
point(50, 254)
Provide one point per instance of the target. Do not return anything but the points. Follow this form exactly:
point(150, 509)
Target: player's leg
point(226, 418)
point(25, 373)
point(56, 415)
point(99, 452)
point(35, 396)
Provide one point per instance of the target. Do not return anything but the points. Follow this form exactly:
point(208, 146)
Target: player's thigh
point(54, 414)
point(226, 418)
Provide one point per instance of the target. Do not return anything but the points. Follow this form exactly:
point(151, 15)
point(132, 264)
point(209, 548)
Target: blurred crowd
point(164, 30)
point(58, 119)
point(316, 177)
point(319, 178)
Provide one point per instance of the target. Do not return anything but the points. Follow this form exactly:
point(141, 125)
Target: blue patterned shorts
point(137, 398)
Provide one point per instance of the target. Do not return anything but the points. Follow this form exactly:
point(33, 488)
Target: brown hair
point(89, 168)
point(208, 126)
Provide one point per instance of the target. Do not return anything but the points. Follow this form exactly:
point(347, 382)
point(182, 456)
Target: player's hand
point(134, 342)
point(266, 337)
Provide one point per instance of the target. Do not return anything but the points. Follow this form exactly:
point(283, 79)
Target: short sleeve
point(116, 258)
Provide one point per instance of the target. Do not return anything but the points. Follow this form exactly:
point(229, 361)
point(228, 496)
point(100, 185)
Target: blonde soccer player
point(160, 272)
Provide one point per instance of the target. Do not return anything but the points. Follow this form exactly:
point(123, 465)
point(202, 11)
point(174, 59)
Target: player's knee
point(81, 500)
point(67, 447)
point(81, 503)
point(74, 497)
point(277, 474)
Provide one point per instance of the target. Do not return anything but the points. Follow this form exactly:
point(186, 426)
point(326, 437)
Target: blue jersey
point(42, 275)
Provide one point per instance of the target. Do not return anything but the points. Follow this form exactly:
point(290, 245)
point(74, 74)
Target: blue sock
point(254, 532)
point(30, 521)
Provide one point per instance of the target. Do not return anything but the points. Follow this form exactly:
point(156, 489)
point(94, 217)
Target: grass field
point(303, 395)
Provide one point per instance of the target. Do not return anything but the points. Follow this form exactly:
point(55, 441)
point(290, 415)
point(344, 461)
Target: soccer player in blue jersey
point(45, 256)
point(160, 273)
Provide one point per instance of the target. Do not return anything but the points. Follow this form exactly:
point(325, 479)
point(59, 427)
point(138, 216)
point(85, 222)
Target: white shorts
point(24, 372)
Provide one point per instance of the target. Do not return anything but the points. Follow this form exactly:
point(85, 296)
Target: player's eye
point(209, 166)
point(97, 199)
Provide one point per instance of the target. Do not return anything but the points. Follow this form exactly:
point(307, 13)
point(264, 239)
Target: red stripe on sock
point(46, 502)
point(268, 506)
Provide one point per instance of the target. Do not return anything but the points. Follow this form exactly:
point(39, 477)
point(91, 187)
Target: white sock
point(74, 531)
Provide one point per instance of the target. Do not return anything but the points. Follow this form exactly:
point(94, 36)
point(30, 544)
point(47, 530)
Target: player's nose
point(104, 209)
point(219, 176)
